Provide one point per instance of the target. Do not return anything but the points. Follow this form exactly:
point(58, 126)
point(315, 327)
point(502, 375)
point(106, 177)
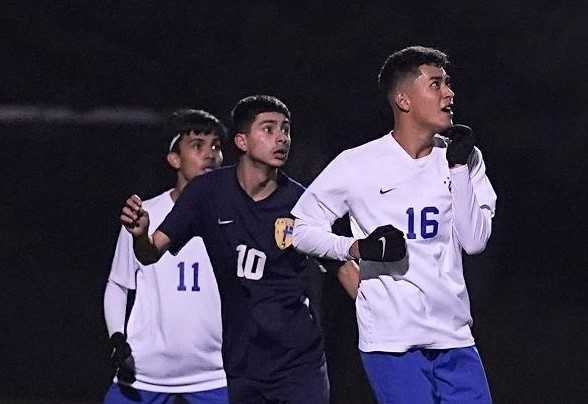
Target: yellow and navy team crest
point(284, 227)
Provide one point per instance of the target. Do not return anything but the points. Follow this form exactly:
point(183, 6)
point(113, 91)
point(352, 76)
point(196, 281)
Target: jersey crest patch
point(283, 229)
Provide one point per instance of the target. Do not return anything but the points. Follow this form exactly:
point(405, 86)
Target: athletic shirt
point(268, 328)
point(174, 328)
point(423, 300)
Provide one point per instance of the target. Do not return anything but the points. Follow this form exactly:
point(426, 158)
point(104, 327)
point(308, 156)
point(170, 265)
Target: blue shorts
point(303, 385)
point(121, 394)
point(427, 376)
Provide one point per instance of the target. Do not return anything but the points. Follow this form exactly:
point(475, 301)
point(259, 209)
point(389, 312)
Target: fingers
point(134, 202)
point(385, 230)
point(132, 211)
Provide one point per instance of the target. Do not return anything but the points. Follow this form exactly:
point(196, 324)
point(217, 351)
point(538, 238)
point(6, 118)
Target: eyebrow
point(447, 77)
point(274, 121)
point(201, 136)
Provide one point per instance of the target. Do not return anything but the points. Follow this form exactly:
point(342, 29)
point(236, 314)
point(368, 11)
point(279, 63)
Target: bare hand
point(134, 218)
point(348, 276)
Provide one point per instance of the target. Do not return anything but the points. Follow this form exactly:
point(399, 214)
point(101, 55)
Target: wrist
point(117, 338)
point(354, 250)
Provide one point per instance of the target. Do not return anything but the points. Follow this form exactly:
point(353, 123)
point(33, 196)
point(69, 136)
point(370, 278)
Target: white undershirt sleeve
point(322, 203)
point(474, 203)
point(115, 305)
point(121, 279)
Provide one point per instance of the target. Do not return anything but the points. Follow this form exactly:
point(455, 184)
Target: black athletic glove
point(386, 243)
point(461, 146)
point(121, 358)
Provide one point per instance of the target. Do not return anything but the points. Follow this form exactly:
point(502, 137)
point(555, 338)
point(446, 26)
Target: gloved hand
point(121, 358)
point(462, 144)
point(386, 243)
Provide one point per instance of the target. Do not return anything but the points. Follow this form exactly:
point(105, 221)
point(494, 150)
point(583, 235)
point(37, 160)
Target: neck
point(257, 180)
point(415, 140)
point(180, 185)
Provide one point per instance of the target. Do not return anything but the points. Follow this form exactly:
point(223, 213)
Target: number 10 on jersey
point(250, 262)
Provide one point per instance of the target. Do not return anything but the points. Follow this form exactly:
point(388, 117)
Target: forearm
point(115, 304)
point(348, 276)
point(472, 222)
point(146, 249)
point(320, 242)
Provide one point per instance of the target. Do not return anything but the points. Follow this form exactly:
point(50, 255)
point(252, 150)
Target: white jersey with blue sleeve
point(174, 328)
point(421, 301)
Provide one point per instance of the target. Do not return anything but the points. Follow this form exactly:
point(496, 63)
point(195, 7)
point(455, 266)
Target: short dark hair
point(185, 120)
point(248, 108)
point(406, 62)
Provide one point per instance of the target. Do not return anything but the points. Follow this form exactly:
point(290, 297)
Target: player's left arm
point(474, 203)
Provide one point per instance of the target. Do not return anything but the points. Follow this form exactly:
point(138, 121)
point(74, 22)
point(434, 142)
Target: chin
point(444, 126)
point(277, 163)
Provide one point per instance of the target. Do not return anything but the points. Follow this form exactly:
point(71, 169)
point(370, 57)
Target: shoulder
point(210, 181)
point(160, 201)
point(290, 185)
point(369, 151)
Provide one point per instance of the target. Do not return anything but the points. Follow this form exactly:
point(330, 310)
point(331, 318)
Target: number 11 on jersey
point(182, 285)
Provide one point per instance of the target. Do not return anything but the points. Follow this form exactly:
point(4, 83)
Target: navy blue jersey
point(267, 327)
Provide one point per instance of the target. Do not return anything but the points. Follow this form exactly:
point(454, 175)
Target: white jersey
point(174, 328)
point(422, 301)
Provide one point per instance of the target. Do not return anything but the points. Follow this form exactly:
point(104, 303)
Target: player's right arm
point(326, 200)
point(148, 249)
point(323, 202)
point(120, 280)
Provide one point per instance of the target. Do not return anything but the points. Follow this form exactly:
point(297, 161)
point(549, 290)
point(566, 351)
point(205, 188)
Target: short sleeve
point(124, 264)
point(185, 220)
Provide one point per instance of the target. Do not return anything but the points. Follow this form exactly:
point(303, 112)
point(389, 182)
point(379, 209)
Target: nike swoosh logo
point(225, 221)
point(383, 241)
point(385, 191)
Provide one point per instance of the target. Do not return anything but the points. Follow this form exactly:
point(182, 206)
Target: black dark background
point(520, 77)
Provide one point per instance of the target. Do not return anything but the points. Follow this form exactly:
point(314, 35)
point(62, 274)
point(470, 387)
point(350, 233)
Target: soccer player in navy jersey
point(272, 347)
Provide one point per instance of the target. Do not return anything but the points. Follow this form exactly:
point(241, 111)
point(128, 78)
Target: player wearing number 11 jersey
point(172, 344)
point(272, 347)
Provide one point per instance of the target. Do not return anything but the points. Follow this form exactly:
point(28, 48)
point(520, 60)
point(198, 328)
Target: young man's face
point(197, 153)
point(268, 140)
point(431, 99)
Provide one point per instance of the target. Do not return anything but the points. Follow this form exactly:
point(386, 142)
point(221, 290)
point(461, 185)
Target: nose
point(283, 136)
point(449, 92)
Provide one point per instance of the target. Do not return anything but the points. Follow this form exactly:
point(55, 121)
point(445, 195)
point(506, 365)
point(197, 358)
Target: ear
point(241, 141)
point(173, 159)
point(401, 100)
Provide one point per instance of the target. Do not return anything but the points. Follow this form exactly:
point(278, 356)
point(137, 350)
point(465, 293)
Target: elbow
point(473, 247)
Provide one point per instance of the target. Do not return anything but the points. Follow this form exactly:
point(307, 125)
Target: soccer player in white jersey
point(417, 197)
point(172, 344)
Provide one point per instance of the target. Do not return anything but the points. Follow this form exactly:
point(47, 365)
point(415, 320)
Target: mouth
point(281, 154)
point(448, 109)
